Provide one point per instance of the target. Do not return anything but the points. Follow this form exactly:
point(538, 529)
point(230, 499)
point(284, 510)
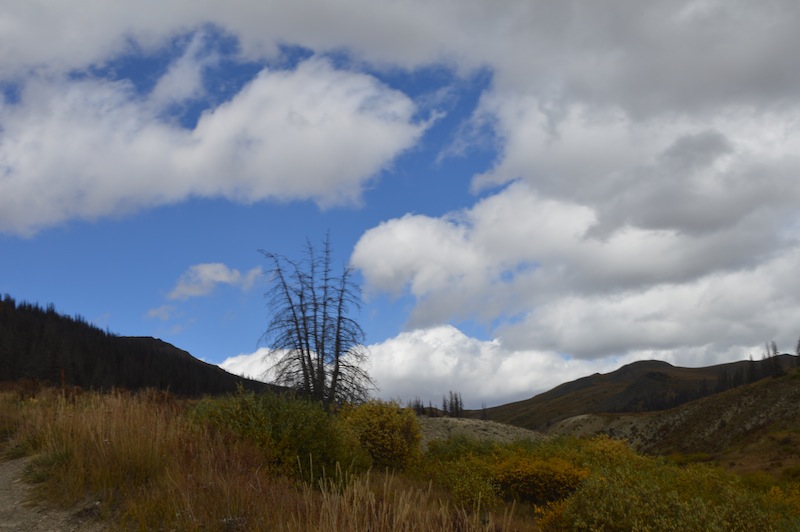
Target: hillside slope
point(642, 386)
point(752, 427)
point(42, 345)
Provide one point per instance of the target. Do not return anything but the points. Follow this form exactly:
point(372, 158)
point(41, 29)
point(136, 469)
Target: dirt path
point(17, 514)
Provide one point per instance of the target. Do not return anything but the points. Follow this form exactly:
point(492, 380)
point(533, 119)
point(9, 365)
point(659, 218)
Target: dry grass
point(135, 461)
point(388, 502)
point(142, 462)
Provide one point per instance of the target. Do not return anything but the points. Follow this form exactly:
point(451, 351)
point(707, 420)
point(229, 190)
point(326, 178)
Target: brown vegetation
point(149, 461)
point(149, 464)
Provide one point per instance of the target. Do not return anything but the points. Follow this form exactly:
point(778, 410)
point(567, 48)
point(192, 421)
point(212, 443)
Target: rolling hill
point(42, 345)
point(746, 414)
point(642, 386)
point(754, 427)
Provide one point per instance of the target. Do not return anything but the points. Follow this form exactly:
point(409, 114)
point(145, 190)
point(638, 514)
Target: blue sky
point(530, 191)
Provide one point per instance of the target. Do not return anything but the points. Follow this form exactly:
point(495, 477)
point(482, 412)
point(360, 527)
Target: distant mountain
point(642, 386)
point(41, 344)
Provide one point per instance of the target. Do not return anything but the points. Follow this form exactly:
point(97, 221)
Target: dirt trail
point(18, 514)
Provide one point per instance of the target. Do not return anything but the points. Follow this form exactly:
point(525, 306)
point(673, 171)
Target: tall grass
point(150, 464)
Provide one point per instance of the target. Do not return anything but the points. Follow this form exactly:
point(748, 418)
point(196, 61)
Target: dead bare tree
point(315, 346)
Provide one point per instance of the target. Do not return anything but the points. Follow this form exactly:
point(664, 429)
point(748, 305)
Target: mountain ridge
point(42, 345)
point(641, 386)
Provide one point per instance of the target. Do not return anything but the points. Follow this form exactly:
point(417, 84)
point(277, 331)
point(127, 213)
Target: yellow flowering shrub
point(389, 433)
point(537, 481)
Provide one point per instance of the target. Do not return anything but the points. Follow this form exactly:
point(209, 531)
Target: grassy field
point(245, 462)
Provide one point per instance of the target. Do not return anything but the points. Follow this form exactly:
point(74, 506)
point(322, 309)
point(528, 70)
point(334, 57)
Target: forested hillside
point(43, 345)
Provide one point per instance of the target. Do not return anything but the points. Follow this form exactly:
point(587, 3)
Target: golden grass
point(147, 461)
point(149, 467)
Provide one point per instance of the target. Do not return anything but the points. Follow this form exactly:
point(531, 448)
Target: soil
point(19, 513)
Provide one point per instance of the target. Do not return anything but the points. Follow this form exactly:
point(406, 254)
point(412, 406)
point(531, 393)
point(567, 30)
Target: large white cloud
point(663, 54)
point(652, 150)
point(251, 365)
point(530, 267)
point(87, 148)
point(649, 183)
point(429, 363)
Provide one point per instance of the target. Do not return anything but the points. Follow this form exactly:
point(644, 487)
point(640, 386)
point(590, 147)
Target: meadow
point(150, 461)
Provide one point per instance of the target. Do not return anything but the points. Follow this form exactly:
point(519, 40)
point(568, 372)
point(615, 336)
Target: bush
point(537, 481)
point(457, 446)
point(660, 496)
point(479, 470)
point(390, 434)
point(470, 481)
point(463, 466)
point(297, 436)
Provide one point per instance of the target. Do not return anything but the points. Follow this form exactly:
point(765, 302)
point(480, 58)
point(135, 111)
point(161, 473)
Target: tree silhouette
point(38, 344)
point(316, 347)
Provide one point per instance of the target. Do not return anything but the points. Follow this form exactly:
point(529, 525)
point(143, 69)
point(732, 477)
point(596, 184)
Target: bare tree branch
point(317, 348)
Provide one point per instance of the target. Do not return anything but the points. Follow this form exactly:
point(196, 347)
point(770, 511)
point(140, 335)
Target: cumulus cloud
point(201, 279)
point(648, 156)
point(529, 267)
point(429, 363)
point(649, 194)
point(664, 56)
point(85, 148)
point(251, 365)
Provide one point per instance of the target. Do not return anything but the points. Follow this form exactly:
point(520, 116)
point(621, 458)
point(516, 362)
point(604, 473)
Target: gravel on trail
point(19, 514)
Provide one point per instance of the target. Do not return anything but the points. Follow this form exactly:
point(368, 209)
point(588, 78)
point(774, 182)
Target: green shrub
point(457, 446)
point(462, 465)
point(537, 481)
point(297, 436)
point(479, 470)
point(390, 434)
point(469, 479)
point(240, 415)
point(656, 495)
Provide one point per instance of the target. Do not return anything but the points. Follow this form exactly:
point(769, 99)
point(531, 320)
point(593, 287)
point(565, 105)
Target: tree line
point(40, 344)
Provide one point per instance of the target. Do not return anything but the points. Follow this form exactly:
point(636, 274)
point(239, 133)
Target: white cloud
point(88, 148)
point(662, 56)
point(652, 153)
point(163, 313)
point(429, 363)
point(527, 266)
point(183, 80)
point(251, 365)
point(728, 313)
point(200, 280)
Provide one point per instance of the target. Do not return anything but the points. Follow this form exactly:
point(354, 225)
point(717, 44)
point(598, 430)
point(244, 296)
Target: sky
point(529, 191)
